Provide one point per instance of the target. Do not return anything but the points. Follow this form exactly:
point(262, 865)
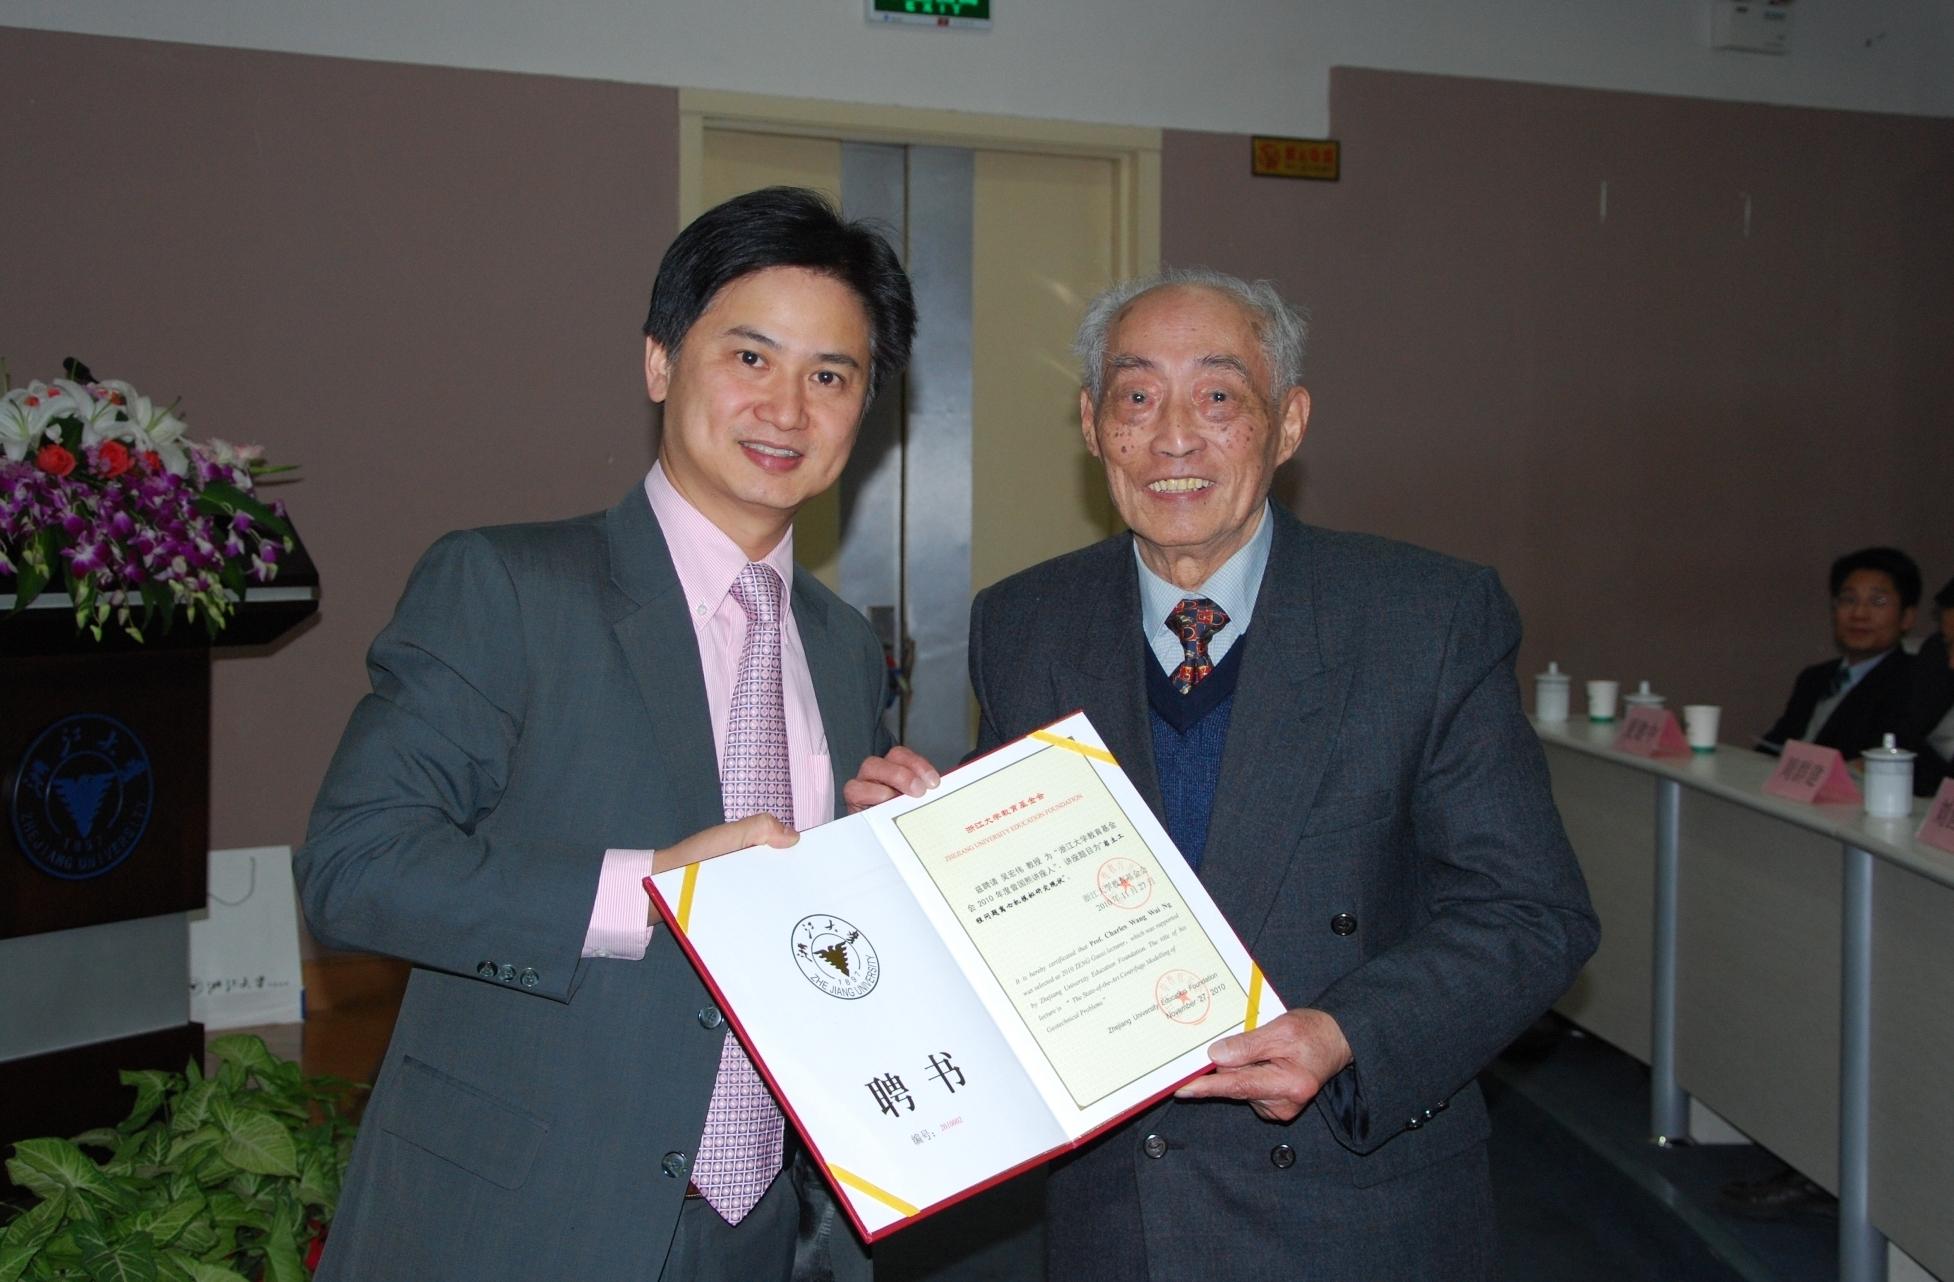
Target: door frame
point(1134, 151)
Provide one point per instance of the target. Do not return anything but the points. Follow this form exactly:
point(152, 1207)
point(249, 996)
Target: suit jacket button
point(1154, 1146)
point(1440, 1106)
point(709, 1017)
point(676, 1164)
point(529, 979)
point(1414, 1123)
point(1343, 924)
point(507, 974)
point(486, 970)
point(1282, 1157)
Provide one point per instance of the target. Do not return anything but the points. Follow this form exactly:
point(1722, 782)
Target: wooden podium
point(104, 844)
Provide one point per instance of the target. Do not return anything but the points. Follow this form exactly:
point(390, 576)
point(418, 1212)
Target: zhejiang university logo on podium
point(82, 796)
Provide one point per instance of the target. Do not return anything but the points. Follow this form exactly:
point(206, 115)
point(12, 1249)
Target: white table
point(1791, 966)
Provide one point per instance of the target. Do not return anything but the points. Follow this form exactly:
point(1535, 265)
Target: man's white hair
point(1283, 329)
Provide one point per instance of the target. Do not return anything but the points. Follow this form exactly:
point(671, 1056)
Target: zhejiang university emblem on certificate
point(836, 957)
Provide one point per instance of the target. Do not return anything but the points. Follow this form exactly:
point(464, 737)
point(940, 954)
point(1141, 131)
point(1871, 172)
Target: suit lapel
point(836, 687)
point(651, 623)
point(1106, 680)
point(1288, 708)
point(1856, 716)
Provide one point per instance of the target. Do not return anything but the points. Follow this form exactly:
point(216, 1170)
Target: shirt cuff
point(619, 920)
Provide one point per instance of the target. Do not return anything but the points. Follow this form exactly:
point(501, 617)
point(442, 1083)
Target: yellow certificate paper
point(948, 989)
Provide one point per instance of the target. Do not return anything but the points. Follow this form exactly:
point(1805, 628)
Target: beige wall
point(1658, 428)
point(1043, 240)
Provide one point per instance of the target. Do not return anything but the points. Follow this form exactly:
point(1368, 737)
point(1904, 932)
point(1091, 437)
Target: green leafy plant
point(219, 1178)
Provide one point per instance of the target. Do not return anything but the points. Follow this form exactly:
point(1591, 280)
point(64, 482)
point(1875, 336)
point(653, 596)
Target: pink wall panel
point(424, 285)
point(1659, 429)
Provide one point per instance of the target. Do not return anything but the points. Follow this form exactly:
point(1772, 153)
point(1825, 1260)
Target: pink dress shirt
point(707, 562)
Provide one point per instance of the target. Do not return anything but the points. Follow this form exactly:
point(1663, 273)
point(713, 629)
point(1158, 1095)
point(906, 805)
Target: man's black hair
point(1944, 599)
point(785, 227)
point(1893, 563)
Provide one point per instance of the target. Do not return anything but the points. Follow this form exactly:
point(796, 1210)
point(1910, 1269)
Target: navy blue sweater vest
point(1189, 732)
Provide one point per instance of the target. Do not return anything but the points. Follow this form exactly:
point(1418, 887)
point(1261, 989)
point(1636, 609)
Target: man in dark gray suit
point(1327, 724)
point(555, 708)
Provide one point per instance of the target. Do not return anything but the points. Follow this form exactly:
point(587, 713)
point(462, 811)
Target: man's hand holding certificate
point(944, 990)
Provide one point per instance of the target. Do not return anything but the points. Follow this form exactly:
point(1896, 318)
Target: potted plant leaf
point(228, 1177)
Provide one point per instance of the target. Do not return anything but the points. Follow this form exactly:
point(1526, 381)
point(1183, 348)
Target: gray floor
point(1580, 1191)
point(1570, 1143)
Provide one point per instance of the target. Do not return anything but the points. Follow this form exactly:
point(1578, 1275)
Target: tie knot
point(757, 589)
point(1196, 619)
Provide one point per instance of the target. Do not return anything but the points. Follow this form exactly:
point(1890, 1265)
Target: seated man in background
point(1849, 702)
point(1872, 689)
point(1934, 699)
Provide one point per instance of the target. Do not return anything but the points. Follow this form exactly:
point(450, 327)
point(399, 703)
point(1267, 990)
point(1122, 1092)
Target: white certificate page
point(848, 1002)
point(948, 988)
point(1083, 930)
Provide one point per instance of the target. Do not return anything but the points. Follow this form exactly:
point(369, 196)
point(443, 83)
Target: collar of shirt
point(707, 561)
point(705, 556)
point(1856, 672)
point(1233, 587)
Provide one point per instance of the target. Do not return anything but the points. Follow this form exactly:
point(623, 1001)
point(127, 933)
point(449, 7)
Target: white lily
point(151, 427)
point(102, 415)
point(59, 397)
point(15, 426)
point(29, 411)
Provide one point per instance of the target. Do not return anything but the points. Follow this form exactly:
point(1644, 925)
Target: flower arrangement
point(100, 490)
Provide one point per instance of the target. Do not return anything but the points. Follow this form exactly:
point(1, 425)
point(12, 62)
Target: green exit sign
point(933, 13)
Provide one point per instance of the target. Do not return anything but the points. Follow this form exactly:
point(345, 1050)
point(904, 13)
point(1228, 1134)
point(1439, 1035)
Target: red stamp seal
point(1182, 996)
point(1124, 883)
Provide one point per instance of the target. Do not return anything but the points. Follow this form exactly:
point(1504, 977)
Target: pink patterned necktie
point(740, 1152)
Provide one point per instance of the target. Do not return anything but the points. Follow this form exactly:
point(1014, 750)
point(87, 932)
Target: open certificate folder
point(946, 990)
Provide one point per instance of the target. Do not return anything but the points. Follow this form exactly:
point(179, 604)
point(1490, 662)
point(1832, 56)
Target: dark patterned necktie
point(740, 1152)
point(1194, 620)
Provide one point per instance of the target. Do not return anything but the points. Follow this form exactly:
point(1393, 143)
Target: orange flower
point(112, 459)
point(54, 460)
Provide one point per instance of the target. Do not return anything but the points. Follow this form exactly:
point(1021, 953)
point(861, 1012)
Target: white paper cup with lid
point(1644, 698)
point(1889, 780)
point(1550, 693)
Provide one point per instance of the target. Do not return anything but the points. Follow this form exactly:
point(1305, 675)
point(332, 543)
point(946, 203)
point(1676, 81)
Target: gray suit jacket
point(1385, 843)
point(536, 699)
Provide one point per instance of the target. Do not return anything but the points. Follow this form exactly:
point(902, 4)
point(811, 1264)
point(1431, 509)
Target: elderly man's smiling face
point(1186, 428)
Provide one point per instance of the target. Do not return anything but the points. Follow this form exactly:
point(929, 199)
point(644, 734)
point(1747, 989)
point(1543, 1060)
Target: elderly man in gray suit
point(558, 711)
point(1328, 726)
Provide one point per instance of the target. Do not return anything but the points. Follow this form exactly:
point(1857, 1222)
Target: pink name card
point(1651, 732)
point(1938, 831)
point(1809, 773)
